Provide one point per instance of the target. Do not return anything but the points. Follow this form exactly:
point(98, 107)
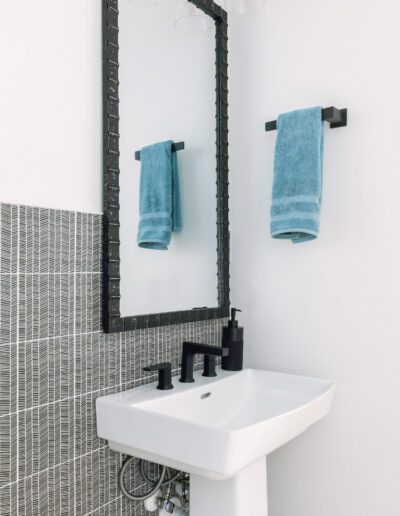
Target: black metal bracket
point(175, 147)
point(334, 116)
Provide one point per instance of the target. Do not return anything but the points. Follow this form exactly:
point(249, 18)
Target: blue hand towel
point(296, 193)
point(159, 199)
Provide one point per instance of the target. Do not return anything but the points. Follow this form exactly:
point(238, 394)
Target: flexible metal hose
point(131, 496)
point(153, 482)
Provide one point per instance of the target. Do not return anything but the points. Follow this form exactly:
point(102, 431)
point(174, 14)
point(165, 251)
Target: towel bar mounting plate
point(334, 116)
point(175, 147)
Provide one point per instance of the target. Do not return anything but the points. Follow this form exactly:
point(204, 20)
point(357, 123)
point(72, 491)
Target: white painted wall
point(50, 104)
point(330, 307)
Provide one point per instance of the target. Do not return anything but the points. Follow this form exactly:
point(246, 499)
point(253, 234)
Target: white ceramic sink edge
point(216, 426)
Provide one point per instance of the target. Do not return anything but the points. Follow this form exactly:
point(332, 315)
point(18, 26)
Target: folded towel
point(296, 193)
point(159, 202)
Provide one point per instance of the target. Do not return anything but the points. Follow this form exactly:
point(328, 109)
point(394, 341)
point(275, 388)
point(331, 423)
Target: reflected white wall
point(167, 91)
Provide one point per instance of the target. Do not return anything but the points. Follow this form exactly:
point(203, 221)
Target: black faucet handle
point(164, 375)
point(209, 366)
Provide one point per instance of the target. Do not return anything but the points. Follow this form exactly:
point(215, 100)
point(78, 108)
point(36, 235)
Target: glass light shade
point(145, 3)
point(242, 6)
point(191, 20)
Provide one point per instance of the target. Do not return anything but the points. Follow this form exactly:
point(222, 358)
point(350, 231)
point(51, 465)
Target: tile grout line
point(60, 273)
point(17, 357)
point(60, 301)
point(67, 335)
point(49, 337)
point(102, 506)
point(73, 459)
point(88, 393)
point(81, 395)
point(48, 318)
point(74, 356)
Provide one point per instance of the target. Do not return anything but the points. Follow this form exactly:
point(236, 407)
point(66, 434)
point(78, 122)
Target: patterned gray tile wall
point(55, 361)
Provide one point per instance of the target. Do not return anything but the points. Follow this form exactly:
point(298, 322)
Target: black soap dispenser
point(232, 338)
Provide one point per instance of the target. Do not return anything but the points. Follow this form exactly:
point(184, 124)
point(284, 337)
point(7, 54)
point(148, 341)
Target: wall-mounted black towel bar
point(175, 147)
point(335, 117)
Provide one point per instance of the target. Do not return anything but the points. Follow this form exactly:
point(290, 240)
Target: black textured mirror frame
point(112, 320)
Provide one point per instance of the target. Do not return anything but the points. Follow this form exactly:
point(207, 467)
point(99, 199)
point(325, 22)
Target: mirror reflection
point(166, 97)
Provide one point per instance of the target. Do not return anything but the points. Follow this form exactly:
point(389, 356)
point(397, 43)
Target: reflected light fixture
point(191, 20)
point(145, 3)
point(241, 6)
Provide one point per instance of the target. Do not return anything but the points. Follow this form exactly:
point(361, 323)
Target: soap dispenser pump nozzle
point(233, 323)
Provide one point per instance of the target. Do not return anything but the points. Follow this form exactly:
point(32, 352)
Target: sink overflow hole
point(205, 395)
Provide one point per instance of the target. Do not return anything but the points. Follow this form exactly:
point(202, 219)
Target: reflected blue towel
point(296, 193)
point(159, 200)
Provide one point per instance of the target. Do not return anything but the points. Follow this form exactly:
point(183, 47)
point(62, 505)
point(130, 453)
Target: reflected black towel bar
point(175, 147)
point(335, 117)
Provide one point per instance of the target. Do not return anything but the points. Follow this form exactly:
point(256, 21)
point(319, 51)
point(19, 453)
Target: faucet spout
point(189, 350)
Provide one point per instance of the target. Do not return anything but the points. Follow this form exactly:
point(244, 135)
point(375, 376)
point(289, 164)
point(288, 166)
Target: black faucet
point(189, 350)
point(164, 375)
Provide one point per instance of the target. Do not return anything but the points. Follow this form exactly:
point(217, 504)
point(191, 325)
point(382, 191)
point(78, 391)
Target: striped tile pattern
point(55, 361)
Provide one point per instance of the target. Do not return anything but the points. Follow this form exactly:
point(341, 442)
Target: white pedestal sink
point(219, 430)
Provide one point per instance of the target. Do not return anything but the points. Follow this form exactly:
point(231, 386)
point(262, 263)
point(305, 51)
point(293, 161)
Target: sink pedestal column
point(242, 495)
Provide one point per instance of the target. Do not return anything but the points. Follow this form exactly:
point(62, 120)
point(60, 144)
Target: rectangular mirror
point(176, 91)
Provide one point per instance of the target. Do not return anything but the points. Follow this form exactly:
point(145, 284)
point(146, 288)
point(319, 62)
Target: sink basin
point(216, 426)
point(217, 429)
